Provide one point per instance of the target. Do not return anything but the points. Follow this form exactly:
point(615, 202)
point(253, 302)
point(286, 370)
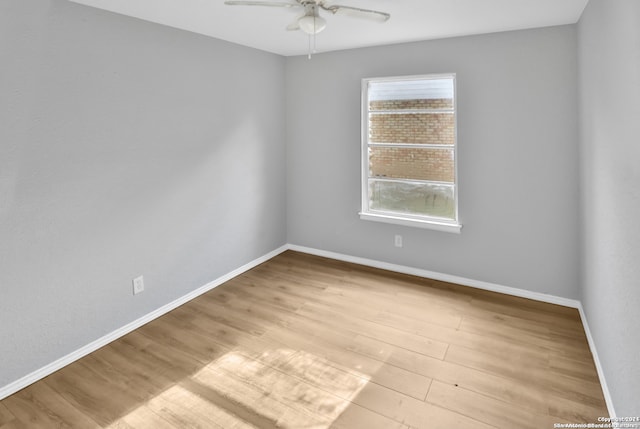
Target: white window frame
point(420, 221)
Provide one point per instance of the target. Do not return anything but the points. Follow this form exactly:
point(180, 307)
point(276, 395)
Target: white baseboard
point(596, 360)
point(480, 285)
point(100, 342)
point(552, 299)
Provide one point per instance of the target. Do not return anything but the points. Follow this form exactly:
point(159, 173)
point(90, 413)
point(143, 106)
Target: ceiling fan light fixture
point(312, 24)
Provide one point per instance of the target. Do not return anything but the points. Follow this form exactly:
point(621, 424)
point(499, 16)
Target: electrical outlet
point(138, 285)
point(398, 240)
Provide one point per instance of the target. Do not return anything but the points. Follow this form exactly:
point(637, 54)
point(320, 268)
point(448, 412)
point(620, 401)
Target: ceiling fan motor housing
point(311, 22)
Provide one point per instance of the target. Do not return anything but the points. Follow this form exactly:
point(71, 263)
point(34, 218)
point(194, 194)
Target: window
point(409, 151)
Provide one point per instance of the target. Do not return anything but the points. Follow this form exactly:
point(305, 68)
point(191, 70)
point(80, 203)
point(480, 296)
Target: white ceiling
point(411, 20)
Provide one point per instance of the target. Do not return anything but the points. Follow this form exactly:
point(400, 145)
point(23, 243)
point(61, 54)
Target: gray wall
point(518, 171)
point(126, 148)
point(609, 58)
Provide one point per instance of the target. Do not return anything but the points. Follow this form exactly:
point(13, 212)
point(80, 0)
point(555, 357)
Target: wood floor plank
point(440, 312)
point(562, 320)
point(168, 333)
point(41, 407)
point(438, 333)
point(575, 411)
point(395, 378)
point(574, 389)
point(485, 409)
point(140, 418)
point(5, 415)
point(503, 388)
point(15, 424)
point(93, 394)
point(339, 340)
point(434, 416)
point(485, 343)
point(506, 365)
point(518, 335)
point(181, 408)
point(268, 397)
point(308, 342)
point(356, 389)
point(571, 329)
point(573, 368)
point(529, 373)
point(387, 334)
point(356, 417)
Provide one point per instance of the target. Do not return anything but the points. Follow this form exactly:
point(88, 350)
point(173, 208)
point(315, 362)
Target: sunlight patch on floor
point(279, 389)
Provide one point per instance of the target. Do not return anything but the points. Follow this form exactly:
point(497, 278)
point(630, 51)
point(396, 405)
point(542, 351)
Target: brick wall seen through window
point(409, 148)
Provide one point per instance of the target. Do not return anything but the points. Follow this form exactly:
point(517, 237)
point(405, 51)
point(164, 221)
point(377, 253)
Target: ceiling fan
point(311, 22)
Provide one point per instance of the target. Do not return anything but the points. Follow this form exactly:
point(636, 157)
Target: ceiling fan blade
point(357, 12)
point(293, 26)
point(260, 3)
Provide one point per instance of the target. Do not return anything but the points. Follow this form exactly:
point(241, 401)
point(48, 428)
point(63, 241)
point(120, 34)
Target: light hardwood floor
point(307, 342)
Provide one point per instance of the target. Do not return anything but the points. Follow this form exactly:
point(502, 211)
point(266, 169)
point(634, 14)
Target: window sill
point(416, 223)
